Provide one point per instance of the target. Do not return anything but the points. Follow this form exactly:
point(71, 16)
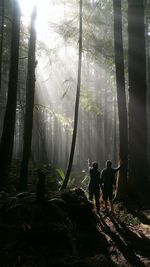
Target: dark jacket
point(94, 184)
point(108, 177)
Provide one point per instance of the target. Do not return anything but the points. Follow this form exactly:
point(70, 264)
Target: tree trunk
point(148, 73)
point(121, 97)
point(106, 133)
point(76, 104)
point(7, 139)
point(115, 139)
point(30, 89)
point(138, 164)
point(1, 42)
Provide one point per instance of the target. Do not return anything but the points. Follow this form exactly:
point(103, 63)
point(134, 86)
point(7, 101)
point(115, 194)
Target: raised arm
point(119, 167)
point(89, 164)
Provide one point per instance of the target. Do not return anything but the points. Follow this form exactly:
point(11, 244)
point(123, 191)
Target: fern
point(61, 173)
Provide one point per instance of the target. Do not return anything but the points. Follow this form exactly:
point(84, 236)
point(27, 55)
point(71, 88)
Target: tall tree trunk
point(1, 61)
point(148, 73)
point(1, 42)
point(121, 97)
point(76, 103)
point(55, 141)
point(30, 89)
point(115, 139)
point(106, 133)
point(138, 164)
point(7, 139)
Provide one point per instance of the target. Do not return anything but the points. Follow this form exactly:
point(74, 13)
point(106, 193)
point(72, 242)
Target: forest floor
point(128, 236)
point(63, 229)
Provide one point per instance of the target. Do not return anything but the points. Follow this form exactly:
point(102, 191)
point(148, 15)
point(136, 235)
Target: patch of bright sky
point(48, 14)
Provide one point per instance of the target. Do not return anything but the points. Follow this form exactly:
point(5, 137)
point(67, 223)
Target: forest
point(74, 89)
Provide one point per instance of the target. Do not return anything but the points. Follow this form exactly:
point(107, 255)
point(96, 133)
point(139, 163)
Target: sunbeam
point(56, 78)
point(48, 14)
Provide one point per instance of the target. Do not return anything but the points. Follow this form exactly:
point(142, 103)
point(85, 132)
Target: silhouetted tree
point(76, 103)
point(6, 145)
point(30, 89)
point(121, 96)
point(138, 164)
point(1, 40)
point(147, 22)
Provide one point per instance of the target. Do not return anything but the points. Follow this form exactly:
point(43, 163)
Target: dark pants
point(96, 195)
point(108, 193)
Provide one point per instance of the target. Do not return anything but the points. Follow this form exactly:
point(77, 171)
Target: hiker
point(108, 183)
point(94, 184)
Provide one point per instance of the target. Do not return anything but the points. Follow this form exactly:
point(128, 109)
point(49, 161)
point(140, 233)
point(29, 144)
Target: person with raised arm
point(108, 183)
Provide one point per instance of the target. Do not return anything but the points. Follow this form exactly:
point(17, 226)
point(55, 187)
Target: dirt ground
point(64, 230)
point(128, 237)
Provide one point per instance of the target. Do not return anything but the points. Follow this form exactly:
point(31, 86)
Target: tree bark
point(7, 139)
point(76, 103)
point(121, 97)
point(1, 42)
point(28, 122)
point(138, 163)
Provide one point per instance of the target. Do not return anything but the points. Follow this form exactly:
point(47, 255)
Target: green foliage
point(53, 181)
point(63, 120)
point(88, 102)
point(128, 218)
point(85, 180)
point(68, 30)
point(99, 46)
point(40, 107)
point(61, 173)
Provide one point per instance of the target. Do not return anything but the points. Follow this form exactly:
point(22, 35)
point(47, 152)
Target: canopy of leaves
point(88, 102)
